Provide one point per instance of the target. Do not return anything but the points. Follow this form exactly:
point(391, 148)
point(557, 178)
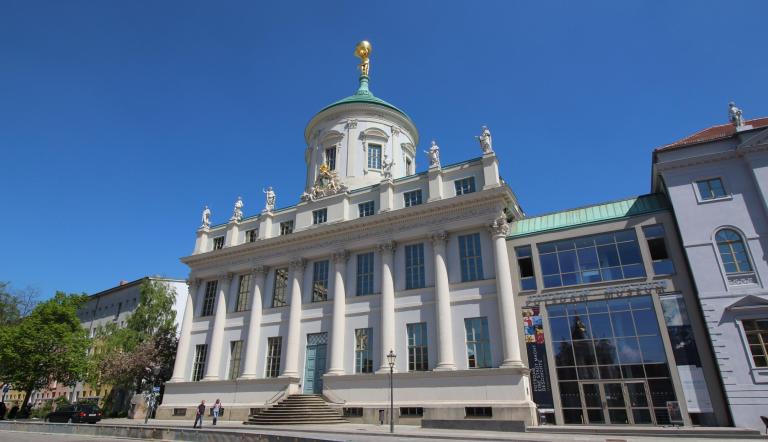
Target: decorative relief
point(387, 247)
point(499, 226)
point(351, 124)
point(742, 280)
point(327, 183)
point(260, 270)
point(439, 237)
point(340, 256)
point(395, 130)
point(297, 264)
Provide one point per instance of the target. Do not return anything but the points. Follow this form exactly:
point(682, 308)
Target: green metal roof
point(590, 215)
point(364, 95)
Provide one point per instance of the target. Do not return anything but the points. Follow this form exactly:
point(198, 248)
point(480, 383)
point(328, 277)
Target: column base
point(335, 372)
point(289, 374)
point(210, 378)
point(512, 364)
point(247, 376)
point(445, 367)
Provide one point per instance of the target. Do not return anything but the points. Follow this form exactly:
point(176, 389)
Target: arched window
point(733, 252)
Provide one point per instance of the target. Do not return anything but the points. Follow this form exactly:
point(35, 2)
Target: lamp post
point(152, 394)
point(391, 359)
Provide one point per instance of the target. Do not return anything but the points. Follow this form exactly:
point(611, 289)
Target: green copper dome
point(364, 95)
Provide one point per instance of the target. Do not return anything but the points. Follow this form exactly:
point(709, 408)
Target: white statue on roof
point(271, 197)
point(237, 212)
point(735, 115)
point(486, 141)
point(434, 155)
point(206, 218)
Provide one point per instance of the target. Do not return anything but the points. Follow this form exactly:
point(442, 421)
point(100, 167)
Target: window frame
point(218, 242)
point(243, 293)
point(748, 347)
point(330, 160)
point(282, 288)
point(529, 257)
point(273, 358)
point(320, 270)
point(251, 235)
point(747, 251)
point(208, 306)
point(365, 279)
point(371, 147)
point(471, 264)
point(414, 266)
point(235, 359)
point(484, 344)
point(700, 198)
point(364, 357)
point(665, 242)
point(420, 363)
point(366, 208)
point(459, 185)
point(286, 227)
point(411, 202)
point(320, 216)
point(199, 362)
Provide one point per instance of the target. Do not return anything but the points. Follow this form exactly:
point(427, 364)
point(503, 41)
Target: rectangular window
point(235, 354)
point(596, 258)
point(364, 350)
point(179, 411)
point(525, 267)
point(319, 216)
point(414, 266)
point(757, 338)
point(374, 156)
point(364, 274)
point(330, 157)
point(478, 411)
point(662, 265)
point(464, 186)
point(242, 293)
point(198, 367)
point(418, 359)
point(711, 189)
point(209, 298)
point(353, 412)
point(412, 198)
point(218, 243)
point(471, 257)
point(119, 307)
point(366, 209)
point(320, 281)
point(478, 342)
point(251, 235)
point(411, 411)
point(274, 348)
point(286, 227)
point(280, 288)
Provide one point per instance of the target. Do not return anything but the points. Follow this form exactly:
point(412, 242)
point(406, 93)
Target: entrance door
point(616, 403)
point(317, 344)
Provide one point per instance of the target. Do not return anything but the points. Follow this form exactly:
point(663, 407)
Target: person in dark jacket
point(199, 414)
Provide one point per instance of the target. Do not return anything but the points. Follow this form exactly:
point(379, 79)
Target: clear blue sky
point(119, 120)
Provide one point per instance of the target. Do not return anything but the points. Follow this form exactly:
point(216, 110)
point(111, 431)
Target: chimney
point(123, 282)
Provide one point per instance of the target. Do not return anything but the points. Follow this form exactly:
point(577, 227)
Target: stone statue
point(434, 155)
point(271, 197)
point(486, 142)
point(386, 165)
point(735, 115)
point(206, 218)
point(327, 183)
point(237, 213)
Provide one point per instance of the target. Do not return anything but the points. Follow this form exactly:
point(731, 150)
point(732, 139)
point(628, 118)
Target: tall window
point(274, 348)
point(604, 257)
point(209, 298)
point(366, 209)
point(242, 293)
point(414, 266)
point(711, 189)
point(412, 198)
point(319, 216)
point(286, 227)
point(198, 367)
point(235, 354)
point(654, 235)
point(374, 156)
point(418, 359)
point(280, 288)
point(478, 342)
point(471, 257)
point(330, 157)
point(732, 251)
point(251, 235)
point(525, 267)
point(218, 243)
point(320, 281)
point(757, 337)
point(465, 185)
point(364, 350)
point(364, 274)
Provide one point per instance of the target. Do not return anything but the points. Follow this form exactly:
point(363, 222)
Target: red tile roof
point(713, 133)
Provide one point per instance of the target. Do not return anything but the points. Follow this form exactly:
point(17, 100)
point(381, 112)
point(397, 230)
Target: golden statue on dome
point(362, 51)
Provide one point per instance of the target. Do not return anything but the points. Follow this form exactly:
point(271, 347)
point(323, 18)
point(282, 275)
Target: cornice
point(736, 153)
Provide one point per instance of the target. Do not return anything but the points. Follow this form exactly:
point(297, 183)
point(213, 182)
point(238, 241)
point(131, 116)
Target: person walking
point(199, 415)
point(216, 410)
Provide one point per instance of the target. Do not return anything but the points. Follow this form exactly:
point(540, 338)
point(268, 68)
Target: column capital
point(297, 264)
point(227, 277)
point(387, 247)
point(499, 227)
point(340, 256)
point(260, 270)
point(440, 237)
point(193, 281)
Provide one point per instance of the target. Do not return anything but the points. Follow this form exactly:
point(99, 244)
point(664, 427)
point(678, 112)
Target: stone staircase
point(298, 409)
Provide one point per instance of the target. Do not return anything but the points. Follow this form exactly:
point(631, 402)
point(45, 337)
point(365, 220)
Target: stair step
point(298, 409)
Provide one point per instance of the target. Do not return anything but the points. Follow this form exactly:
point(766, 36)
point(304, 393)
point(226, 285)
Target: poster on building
point(533, 330)
point(694, 389)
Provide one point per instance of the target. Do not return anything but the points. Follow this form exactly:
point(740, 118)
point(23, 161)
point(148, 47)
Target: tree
point(48, 344)
point(15, 304)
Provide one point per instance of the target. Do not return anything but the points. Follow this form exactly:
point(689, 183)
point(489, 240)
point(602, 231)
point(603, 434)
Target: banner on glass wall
point(533, 329)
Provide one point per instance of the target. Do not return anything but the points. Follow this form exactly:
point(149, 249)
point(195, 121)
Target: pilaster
point(386, 195)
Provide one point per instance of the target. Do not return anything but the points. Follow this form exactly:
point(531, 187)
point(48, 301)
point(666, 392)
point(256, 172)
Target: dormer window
point(374, 156)
point(330, 157)
point(218, 243)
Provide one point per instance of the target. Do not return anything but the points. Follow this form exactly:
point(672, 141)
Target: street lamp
point(153, 394)
point(391, 359)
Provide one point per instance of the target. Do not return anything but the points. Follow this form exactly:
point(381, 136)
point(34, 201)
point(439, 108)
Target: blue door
point(317, 344)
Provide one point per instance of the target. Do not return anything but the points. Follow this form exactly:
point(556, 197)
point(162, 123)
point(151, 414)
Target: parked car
point(75, 413)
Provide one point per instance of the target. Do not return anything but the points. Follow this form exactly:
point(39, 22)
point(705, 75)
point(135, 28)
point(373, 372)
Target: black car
point(76, 413)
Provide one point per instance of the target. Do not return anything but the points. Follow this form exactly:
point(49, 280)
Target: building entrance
point(317, 344)
point(616, 403)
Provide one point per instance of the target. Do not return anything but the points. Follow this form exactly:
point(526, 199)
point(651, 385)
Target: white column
point(291, 367)
point(508, 314)
point(217, 336)
point(182, 351)
point(339, 313)
point(387, 303)
point(445, 359)
point(254, 326)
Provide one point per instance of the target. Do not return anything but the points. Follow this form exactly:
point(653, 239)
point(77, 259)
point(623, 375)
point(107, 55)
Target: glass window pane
point(566, 374)
point(597, 306)
point(556, 310)
point(584, 353)
point(578, 308)
point(549, 264)
point(606, 238)
point(703, 190)
point(605, 350)
point(588, 258)
point(633, 271)
point(565, 245)
point(610, 372)
point(563, 354)
point(579, 327)
point(626, 235)
point(652, 349)
point(552, 281)
point(571, 278)
point(646, 323)
point(622, 324)
point(608, 256)
point(611, 273)
point(665, 267)
point(560, 329)
point(629, 253)
point(601, 326)
point(618, 304)
point(568, 263)
point(661, 391)
point(546, 248)
point(629, 351)
point(569, 394)
point(588, 373)
point(591, 276)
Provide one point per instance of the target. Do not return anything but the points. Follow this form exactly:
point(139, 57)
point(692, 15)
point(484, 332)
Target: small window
point(254, 411)
point(218, 243)
point(179, 411)
point(525, 267)
point(711, 189)
point(353, 412)
point(364, 350)
point(478, 342)
point(418, 359)
point(209, 298)
point(464, 186)
point(366, 209)
point(235, 356)
point(412, 198)
point(251, 235)
point(242, 293)
point(119, 307)
point(274, 349)
point(320, 281)
point(662, 264)
point(198, 367)
point(411, 411)
point(733, 252)
point(757, 338)
point(286, 227)
point(478, 411)
point(319, 216)
point(374, 156)
point(330, 157)
point(364, 274)
point(280, 288)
